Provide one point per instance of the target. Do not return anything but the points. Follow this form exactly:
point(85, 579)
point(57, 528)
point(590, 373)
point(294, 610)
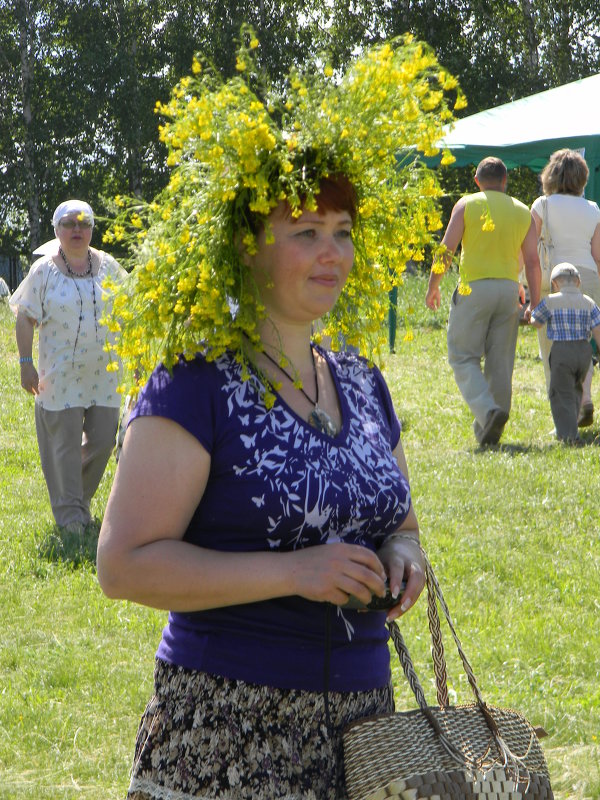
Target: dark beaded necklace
point(75, 276)
point(318, 418)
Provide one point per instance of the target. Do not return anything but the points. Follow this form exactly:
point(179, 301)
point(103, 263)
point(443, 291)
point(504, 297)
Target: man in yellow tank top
point(493, 230)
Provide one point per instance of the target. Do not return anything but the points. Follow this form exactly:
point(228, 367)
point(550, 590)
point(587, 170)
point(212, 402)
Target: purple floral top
point(276, 483)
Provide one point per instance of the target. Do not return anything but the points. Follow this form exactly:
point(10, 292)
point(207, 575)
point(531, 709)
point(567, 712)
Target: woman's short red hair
point(337, 193)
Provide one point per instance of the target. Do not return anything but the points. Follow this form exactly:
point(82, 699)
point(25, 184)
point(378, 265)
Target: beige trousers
point(75, 445)
point(483, 327)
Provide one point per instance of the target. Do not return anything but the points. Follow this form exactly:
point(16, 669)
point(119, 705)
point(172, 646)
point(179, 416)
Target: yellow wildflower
point(447, 158)
point(487, 221)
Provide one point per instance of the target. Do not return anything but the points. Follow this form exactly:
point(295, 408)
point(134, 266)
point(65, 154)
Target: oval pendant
point(321, 420)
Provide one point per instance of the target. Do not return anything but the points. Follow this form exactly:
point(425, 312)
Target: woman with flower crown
point(262, 495)
point(76, 399)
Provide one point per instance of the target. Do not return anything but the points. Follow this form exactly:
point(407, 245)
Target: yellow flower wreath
point(239, 147)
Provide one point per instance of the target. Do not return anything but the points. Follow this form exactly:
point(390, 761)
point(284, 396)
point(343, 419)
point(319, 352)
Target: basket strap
point(433, 588)
point(455, 752)
point(417, 689)
point(407, 665)
point(437, 647)
point(508, 759)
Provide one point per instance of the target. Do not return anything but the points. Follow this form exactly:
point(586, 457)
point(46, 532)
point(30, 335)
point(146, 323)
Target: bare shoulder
point(158, 442)
point(459, 206)
point(160, 479)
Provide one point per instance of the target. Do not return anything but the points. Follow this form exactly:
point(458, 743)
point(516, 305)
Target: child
point(572, 319)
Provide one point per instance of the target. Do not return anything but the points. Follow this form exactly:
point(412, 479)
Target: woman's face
point(74, 231)
point(302, 273)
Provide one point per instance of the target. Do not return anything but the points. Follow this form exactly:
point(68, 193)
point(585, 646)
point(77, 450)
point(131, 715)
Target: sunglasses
point(71, 223)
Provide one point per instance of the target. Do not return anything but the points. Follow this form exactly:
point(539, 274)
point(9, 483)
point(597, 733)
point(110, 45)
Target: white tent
point(527, 131)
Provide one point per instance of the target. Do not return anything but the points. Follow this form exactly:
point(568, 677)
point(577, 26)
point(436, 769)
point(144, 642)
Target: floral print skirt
point(212, 738)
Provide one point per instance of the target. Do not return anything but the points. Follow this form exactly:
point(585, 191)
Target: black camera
point(377, 603)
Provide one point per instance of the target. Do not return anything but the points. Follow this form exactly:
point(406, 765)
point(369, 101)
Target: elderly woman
point(573, 225)
point(76, 402)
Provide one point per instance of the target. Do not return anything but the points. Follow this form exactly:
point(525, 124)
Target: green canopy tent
point(527, 131)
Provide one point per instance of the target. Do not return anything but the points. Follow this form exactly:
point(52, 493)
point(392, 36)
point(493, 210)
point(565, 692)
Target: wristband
point(26, 360)
point(412, 537)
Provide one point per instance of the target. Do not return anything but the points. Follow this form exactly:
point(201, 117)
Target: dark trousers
point(569, 363)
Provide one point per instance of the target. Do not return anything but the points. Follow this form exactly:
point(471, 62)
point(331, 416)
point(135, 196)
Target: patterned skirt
point(204, 737)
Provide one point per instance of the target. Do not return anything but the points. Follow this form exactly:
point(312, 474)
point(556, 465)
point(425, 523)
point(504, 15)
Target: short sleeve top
point(278, 484)
point(571, 221)
point(569, 314)
point(72, 360)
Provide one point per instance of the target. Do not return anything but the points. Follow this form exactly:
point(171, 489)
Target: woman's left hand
point(403, 561)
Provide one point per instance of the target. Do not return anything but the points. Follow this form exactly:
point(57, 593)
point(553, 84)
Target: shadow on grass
point(71, 547)
point(511, 449)
point(588, 439)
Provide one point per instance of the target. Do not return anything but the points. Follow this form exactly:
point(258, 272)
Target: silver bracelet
point(399, 535)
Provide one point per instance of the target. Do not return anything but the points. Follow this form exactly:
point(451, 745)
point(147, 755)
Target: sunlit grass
point(512, 533)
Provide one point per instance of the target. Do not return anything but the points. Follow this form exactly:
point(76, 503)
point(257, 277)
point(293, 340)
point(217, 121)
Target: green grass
point(512, 533)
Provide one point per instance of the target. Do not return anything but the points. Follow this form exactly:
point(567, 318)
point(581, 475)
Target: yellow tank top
point(495, 227)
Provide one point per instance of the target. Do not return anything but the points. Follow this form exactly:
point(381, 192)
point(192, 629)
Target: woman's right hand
point(29, 378)
point(333, 572)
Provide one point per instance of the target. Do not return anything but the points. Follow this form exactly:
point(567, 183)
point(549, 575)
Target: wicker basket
point(444, 752)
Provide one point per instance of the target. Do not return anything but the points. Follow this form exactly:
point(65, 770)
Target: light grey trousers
point(569, 365)
point(483, 326)
point(75, 445)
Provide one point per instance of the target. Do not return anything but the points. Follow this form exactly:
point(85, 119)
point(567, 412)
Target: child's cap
point(564, 269)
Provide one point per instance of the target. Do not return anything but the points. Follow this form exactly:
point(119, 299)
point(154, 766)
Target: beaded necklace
point(76, 275)
point(318, 418)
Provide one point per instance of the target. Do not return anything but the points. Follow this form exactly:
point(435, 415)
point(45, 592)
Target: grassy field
point(512, 533)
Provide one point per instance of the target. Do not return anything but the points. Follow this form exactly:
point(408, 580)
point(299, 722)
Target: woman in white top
point(76, 399)
point(574, 227)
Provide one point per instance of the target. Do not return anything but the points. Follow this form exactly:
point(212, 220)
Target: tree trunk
point(26, 48)
point(134, 145)
point(127, 14)
point(531, 56)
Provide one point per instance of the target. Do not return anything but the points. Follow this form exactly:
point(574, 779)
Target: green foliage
point(499, 51)
point(511, 532)
point(79, 80)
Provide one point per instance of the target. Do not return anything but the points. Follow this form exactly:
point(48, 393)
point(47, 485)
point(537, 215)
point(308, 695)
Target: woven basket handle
point(438, 651)
point(434, 596)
